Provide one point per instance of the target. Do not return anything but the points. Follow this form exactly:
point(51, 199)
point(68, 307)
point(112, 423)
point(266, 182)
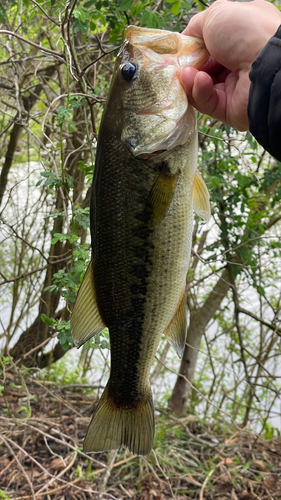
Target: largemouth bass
point(145, 188)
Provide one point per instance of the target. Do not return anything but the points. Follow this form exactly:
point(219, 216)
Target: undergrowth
point(43, 424)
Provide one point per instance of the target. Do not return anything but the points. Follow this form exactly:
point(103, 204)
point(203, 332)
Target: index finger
point(195, 25)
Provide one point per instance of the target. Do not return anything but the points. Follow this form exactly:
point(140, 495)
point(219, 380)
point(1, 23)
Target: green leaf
point(151, 19)
point(50, 288)
point(41, 105)
point(252, 142)
point(47, 320)
point(61, 337)
point(104, 344)
point(2, 20)
point(125, 4)
point(77, 101)
point(176, 8)
point(71, 127)
point(89, 4)
point(79, 266)
point(16, 386)
point(81, 14)
point(186, 5)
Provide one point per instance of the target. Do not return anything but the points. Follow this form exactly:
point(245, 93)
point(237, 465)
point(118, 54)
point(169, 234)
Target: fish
point(145, 188)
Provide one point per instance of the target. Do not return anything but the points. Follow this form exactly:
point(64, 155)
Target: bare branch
point(33, 44)
point(44, 12)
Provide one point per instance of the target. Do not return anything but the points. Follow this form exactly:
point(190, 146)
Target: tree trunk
point(199, 321)
point(59, 258)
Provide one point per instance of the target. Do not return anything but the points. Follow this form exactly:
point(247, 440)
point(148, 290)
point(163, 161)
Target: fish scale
point(145, 188)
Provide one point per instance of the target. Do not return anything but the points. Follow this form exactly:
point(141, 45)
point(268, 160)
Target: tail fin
point(112, 426)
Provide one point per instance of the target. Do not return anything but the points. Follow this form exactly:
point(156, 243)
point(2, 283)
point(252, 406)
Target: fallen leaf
point(271, 482)
point(33, 473)
point(57, 463)
point(260, 465)
point(224, 486)
point(245, 495)
point(227, 460)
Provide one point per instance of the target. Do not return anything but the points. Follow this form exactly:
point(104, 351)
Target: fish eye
point(128, 71)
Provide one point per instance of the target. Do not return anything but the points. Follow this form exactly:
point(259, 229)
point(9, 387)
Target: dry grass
point(43, 427)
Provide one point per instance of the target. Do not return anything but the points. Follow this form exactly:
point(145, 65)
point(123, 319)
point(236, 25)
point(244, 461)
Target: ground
point(42, 429)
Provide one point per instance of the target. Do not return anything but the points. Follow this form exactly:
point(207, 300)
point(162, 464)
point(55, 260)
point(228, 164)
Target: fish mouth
point(156, 136)
point(154, 155)
point(168, 123)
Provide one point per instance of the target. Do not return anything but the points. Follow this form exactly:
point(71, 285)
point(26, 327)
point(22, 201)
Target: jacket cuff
point(264, 107)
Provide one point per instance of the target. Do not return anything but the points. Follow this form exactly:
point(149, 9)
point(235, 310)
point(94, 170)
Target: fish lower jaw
point(155, 155)
point(145, 152)
point(162, 139)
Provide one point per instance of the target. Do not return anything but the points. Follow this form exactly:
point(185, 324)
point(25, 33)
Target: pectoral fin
point(160, 197)
point(86, 320)
point(176, 331)
point(201, 198)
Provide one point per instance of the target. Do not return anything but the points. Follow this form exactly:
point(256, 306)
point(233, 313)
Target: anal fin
point(86, 320)
point(176, 330)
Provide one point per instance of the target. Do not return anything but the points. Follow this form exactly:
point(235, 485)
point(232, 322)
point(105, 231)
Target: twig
point(53, 438)
point(237, 324)
point(263, 322)
point(59, 475)
point(51, 492)
point(157, 477)
point(105, 478)
point(190, 435)
point(11, 122)
point(40, 465)
point(58, 398)
point(54, 101)
point(83, 70)
point(79, 386)
point(205, 483)
point(44, 12)
point(201, 394)
point(23, 240)
point(49, 51)
point(19, 464)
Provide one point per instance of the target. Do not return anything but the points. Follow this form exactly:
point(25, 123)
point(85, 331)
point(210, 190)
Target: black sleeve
point(264, 108)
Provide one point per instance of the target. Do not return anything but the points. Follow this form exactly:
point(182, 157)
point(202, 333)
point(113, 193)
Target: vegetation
point(56, 61)
point(42, 457)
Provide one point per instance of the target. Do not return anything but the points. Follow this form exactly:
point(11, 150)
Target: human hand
point(234, 34)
